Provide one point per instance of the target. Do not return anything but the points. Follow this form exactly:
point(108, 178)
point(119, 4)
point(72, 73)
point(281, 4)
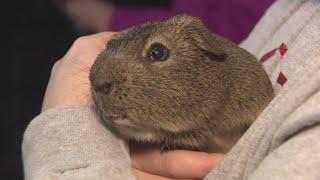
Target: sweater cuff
point(71, 143)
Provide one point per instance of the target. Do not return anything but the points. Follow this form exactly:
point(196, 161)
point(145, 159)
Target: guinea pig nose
point(104, 88)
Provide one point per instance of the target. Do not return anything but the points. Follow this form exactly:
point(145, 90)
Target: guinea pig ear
point(211, 44)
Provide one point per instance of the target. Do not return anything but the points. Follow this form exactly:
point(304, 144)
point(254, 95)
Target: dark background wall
point(36, 35)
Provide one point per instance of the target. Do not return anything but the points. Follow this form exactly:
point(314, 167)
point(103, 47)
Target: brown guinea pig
point(176, 84)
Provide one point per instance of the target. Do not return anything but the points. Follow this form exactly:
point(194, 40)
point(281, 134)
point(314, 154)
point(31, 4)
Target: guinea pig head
point(161, 78)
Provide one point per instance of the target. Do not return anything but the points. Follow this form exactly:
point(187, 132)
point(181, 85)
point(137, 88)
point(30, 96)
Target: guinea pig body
point(176, 84)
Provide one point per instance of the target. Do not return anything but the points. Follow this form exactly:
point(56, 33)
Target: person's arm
point(298, 158)
point(70, 143)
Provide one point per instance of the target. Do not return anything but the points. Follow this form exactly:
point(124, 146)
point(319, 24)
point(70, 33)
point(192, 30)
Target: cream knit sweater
point(284, 143)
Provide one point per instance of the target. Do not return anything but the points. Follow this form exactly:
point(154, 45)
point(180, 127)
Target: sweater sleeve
point(71, 143)
point(297, 159)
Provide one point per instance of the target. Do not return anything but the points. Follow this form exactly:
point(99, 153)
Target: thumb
point(174, 164)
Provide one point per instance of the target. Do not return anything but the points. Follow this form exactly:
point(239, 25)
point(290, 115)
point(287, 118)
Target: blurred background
point(38, 32)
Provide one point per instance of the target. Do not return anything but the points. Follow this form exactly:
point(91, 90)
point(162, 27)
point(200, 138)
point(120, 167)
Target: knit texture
point(71, 143)
point(283, 143)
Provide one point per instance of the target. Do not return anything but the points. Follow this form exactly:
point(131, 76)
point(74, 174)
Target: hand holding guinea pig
point(176, 84)
point(69, 85)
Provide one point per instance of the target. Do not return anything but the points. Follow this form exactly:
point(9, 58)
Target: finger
point(85, 50)
point(175, 164)
point(102, 37)
point(141, 175)
point(90, 44)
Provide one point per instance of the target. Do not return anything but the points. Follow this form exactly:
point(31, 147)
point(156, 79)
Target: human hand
point(69, 81)
point(149, 163)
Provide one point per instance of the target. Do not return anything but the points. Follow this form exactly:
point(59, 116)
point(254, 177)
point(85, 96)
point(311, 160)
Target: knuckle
point(86, 42)
point(55, 66)
point(83, 40)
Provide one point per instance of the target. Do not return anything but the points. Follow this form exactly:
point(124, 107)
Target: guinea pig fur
point(175, 84)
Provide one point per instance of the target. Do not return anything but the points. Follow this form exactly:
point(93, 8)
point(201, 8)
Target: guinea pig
point(176, 84)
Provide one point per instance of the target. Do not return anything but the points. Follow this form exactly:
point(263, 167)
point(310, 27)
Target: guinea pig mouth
point(122, 121)
point(118, 118)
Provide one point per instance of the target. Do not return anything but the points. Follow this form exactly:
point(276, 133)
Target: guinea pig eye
point(158, 52)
